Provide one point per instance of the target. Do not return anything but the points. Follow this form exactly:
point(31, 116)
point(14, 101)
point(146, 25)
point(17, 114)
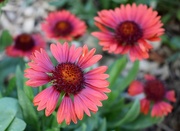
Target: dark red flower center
point(63, 28)
point(24, 42)
point(1, 1)
point(128, 32)
point(154, 90)
point(68, 77)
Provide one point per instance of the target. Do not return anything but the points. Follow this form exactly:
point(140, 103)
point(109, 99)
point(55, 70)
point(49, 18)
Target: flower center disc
point(128, 32)
point(24, 42)
point(154, 90)
point(62, 28)
point(68, 77)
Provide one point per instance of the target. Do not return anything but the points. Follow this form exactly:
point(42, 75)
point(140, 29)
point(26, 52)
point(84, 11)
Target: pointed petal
point(52, 102)
point(135, 88)
point(170, 95)
point(145, 105)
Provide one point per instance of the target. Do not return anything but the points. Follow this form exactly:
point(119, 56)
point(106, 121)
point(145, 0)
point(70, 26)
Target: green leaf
point(29, 92)
point(120, 1)
point(122, 84)
point(103, 125)
point(141, 122)
point(5, 39)
point(53, 129)
point(83, 127)
point(11, 86)
point(58, 3)
point(131, 115)
point(130, 77)
point(9, 109)
point(27, 89)
point(17, 125)
point(29, 113)
point(116, 69)
point(19, 78)
point(105, 3)
point(6, 119)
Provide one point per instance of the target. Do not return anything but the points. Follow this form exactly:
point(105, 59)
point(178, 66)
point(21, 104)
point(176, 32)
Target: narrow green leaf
point(122, 84)
point(54, 123)
point(28, 90)
point(103, 125)
point(11, 86)
point(17, 125)
point(58, 3)
point(29, 113)
point(131, 115)
point(141, 122)
point(130, 77)
point(116, 69)
point(19, 78)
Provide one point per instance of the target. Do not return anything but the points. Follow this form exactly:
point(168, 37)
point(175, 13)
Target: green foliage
point(5, 39)
point(29, 113)
point(7, 69)
point(130, 116)
point(11, 115)
point(130, 77)
point(58, 3)
point(116, 69)
point(141, 122)
point(121, 83)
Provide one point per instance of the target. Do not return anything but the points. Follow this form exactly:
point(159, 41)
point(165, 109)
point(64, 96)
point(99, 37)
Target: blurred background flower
point(25, 44)
point(63, 25)
point(154, 93)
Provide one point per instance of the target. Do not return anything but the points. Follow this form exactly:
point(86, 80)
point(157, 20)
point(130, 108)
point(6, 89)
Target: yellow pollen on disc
point(127, 28)
point(25, 38)
point(62, 25)
point(68, 77)
point(69, 74)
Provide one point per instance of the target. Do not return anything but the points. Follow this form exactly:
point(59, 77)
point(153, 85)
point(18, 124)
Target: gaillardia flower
point(81, 90)
point(128, 29)
point(63, 25)
point(155, 95)
point(24, 44)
